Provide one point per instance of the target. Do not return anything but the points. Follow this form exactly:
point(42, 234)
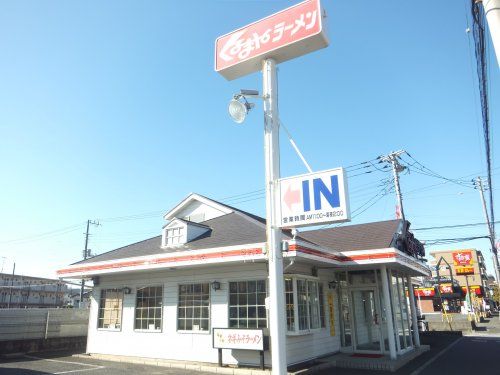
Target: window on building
point(173, 236)
point(194, 307)
point(148, 308)
point(247, 304)
point(110, 309)
point(304, 307)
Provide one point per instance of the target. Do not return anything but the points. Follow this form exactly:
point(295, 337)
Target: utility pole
point(86, 254)
point(11, 284)
point(478, 183)
point(392, 158)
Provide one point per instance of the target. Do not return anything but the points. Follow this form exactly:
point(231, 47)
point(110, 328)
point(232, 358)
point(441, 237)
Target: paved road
point(449, 355)
point(36, 365)
point(475, 355)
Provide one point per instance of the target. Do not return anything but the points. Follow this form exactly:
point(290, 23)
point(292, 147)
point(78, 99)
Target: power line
point(444, 241)
point(418, 167)
point(478, 28)
point(452, 226)
point(45, 235)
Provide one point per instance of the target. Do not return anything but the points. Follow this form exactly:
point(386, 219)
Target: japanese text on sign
point(249, 339)
point(462, 258)
point(290, 33)
point(240, 45)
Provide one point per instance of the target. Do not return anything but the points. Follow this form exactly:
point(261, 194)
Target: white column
point(277, 317)
point(492, 11)
point(388, 312)
point(411, 297)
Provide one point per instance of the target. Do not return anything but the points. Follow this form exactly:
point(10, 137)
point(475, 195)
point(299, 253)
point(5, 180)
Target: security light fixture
point(332, 284)
point(215, 285)
point(127, 290)
point(238, 109)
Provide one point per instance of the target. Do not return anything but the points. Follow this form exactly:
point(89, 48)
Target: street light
point(238, 109)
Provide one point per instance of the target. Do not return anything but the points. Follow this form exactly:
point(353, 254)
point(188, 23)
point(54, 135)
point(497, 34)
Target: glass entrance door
point(366, 314)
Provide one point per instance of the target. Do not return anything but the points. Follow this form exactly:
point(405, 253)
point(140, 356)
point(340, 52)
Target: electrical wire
point(444, 241)
point(418, 167)
point(478, 28)
point(46, 235)
point(452, 226)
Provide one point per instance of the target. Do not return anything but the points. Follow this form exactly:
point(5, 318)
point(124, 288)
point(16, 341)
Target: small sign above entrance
point(314, 198)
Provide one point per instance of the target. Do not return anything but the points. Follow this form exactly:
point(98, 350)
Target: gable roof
point(240, 228)
point(200, 198)
point(228, 230)
point(369, 236)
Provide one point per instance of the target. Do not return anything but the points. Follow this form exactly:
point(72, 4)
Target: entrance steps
point(345, 360)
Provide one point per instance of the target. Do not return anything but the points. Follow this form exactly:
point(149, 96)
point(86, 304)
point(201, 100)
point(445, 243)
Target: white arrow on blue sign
point(314, 198)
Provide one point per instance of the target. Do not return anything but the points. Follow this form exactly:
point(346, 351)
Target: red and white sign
point(446, 288)
point(474, 289)
point(425, 292)
point(462, 258)
point(291, 33)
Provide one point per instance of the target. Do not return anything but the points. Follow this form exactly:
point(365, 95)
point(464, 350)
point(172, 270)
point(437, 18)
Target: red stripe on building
point(181, 258)
point(342, 258)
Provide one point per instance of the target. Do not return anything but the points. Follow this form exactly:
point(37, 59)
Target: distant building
point(73, 298)
point(468, 273)
point(20, 291)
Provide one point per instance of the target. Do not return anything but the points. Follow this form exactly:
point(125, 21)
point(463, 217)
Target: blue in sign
point(332, 194)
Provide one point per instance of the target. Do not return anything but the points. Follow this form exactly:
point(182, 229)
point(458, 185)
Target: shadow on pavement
point(20, 371)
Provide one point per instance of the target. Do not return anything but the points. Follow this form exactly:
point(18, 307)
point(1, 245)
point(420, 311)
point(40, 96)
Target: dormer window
point(180, 231)
point(173, 236)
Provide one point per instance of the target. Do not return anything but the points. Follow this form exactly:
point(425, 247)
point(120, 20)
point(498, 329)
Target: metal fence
point(24, 324)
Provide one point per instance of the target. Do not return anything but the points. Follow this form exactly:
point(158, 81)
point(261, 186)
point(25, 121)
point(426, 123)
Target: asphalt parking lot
point(66, 364)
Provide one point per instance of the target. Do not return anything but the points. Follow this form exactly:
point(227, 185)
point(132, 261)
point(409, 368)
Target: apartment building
point(21, 291)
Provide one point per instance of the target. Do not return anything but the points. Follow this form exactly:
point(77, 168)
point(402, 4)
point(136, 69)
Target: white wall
point(170, 344)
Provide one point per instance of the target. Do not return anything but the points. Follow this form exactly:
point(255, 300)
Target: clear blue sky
point(112, 111)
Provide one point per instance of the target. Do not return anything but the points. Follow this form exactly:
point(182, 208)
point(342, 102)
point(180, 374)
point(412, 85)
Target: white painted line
point(59, 361)
point(94, 367)
point(421, 368)
point(82, 370)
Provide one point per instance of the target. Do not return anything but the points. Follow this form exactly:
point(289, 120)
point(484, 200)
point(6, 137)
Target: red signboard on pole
point(282, 36)
point(462, 258)
point(425, 292)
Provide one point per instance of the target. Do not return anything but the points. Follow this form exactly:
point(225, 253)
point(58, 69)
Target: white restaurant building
point(345, 288)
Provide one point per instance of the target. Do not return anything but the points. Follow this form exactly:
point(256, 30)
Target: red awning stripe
point(343, 258)
point(180, 258)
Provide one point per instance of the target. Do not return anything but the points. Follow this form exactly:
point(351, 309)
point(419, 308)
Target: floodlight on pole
point(237, 109)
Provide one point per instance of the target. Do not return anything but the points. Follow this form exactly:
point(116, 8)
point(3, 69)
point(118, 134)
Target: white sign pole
point(275, 259)
point(492, 11)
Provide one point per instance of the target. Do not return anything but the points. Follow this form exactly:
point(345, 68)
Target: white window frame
point(203, 332)
point(247, 305)
point(161, 308)
point(120, 310)
point(309, 330)
point(173, 236)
